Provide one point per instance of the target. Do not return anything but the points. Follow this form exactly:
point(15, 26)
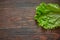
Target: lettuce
point(48, 15)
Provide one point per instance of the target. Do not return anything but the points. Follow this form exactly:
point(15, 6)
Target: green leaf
point(48, 15)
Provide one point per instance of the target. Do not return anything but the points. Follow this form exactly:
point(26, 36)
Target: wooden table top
point(17, 21)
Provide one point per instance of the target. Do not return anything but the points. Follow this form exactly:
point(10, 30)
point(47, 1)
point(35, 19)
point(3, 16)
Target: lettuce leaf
point(48, 15)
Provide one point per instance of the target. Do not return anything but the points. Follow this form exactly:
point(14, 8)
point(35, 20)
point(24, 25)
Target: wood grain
point(17, 21)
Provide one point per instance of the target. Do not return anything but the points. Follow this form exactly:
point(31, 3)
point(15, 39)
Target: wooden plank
point(17, 21)
point(28, 34)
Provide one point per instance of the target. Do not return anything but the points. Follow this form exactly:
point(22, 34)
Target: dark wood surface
point(17, 22)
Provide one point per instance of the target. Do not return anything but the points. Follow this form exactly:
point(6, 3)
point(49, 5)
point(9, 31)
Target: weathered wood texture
point(17, 22)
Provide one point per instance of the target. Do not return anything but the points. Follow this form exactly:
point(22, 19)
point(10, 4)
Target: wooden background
point(17, 22)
